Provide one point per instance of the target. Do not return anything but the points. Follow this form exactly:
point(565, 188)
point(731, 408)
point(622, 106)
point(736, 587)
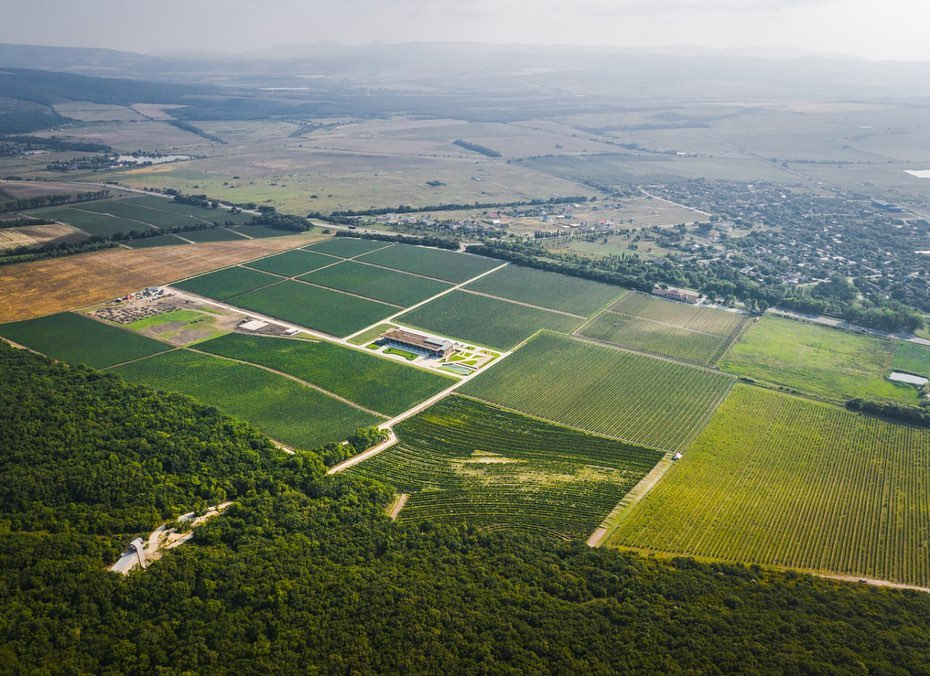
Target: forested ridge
point(306, 573)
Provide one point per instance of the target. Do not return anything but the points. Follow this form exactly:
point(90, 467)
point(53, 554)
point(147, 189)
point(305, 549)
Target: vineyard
point(374, 382)
point(487, 321)
point(389, 286)
point(346, 247)
point(649, 336)
point(465, 462)
point(103, 225)
point(779, 480)
point(547, 289)
point(226, 283)
point(690, 317)
point(331, 312)
point(78, 339)
point(437, 263)
point(292, 263)
point(641, 399)
point(829, 363)
point(288, 411)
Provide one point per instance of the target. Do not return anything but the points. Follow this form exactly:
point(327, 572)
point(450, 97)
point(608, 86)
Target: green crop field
point(291, 263)
point(212, 235)
point(156, 241)
point(376, 383)
point(450, 266)
point(690, 317)
point(911, 358)
point(464, 461)
point(91, 223)
point(642, 399)
point(649, 336)
point(829, 363)
point(547, 289)
point(347, 247)
point(78, 339)
point(222, 216)
point(398, 288)
point(295, 414)
point(781, 480)
point(331, 312)
point(261, 231)
point(134, 211)
point(486, 321)
point(226, 283)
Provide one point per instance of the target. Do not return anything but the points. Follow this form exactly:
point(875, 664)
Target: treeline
point(24, 203)
point(892, 410)
point(17, 145)
point(187, 126)
point(438, 242)
point(25, 254)
point(517, 254)
point(22, 222)
point(346, 216)
point(306, 569)
point(716, 280)
point(475, 148)
point(270, 217)
point(363, 439)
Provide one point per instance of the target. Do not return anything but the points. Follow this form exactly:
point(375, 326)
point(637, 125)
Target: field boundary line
point(733, 339)
point(604, 309)
point(672, 326)
point(518, 302)
point(662, 357)
point(615, 517)
point(364, 455)
point(278, 274)
point(109, 215)
point(407, 272)
point(340, 259)
point(345, 293)
point(173, 348)
point(312, 386)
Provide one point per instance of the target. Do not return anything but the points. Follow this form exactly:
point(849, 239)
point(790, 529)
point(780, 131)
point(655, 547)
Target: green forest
point(306, 573)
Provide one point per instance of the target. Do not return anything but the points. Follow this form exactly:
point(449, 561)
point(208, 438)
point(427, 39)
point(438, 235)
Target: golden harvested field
point(29, 235)
point(44, 287)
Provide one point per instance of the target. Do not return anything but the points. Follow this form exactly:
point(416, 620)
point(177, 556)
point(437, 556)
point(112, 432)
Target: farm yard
point(80, 340)
point(449, 266)
point(604, 390)
point(376, 383)
point(332, 312)
point(824, 362)
point(465, 461)
point(491, 322)
point(779, 480)
point(547, 289)
point(288, 411)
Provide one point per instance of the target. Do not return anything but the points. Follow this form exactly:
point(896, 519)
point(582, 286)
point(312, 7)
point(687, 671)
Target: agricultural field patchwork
point(291, 263)
point(212, 235)
point(450, 266)
point(376, 383)
point(77, 339)
point(487, 321)
point(547, 289)
point(829, 363)
point(780, 480)
point(387, 286)
point(292, 413)
point(347, 247)
point(648, 336)
point(331, 312)
point(604, 390)
point(690, 317)
point(92, 223)
point(464, 461)
point(226, 283)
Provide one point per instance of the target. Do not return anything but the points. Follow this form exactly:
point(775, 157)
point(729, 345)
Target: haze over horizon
point(894, 30)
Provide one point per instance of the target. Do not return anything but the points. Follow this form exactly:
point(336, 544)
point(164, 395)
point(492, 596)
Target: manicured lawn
point(487, 321)
point(77, 339)
point(331, 312)
point(829, 363)
point(226, 283)
point(288, 411)
point(380, 384)
point(384, 285)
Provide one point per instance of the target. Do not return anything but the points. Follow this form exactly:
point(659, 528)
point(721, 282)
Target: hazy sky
point(874, 29)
